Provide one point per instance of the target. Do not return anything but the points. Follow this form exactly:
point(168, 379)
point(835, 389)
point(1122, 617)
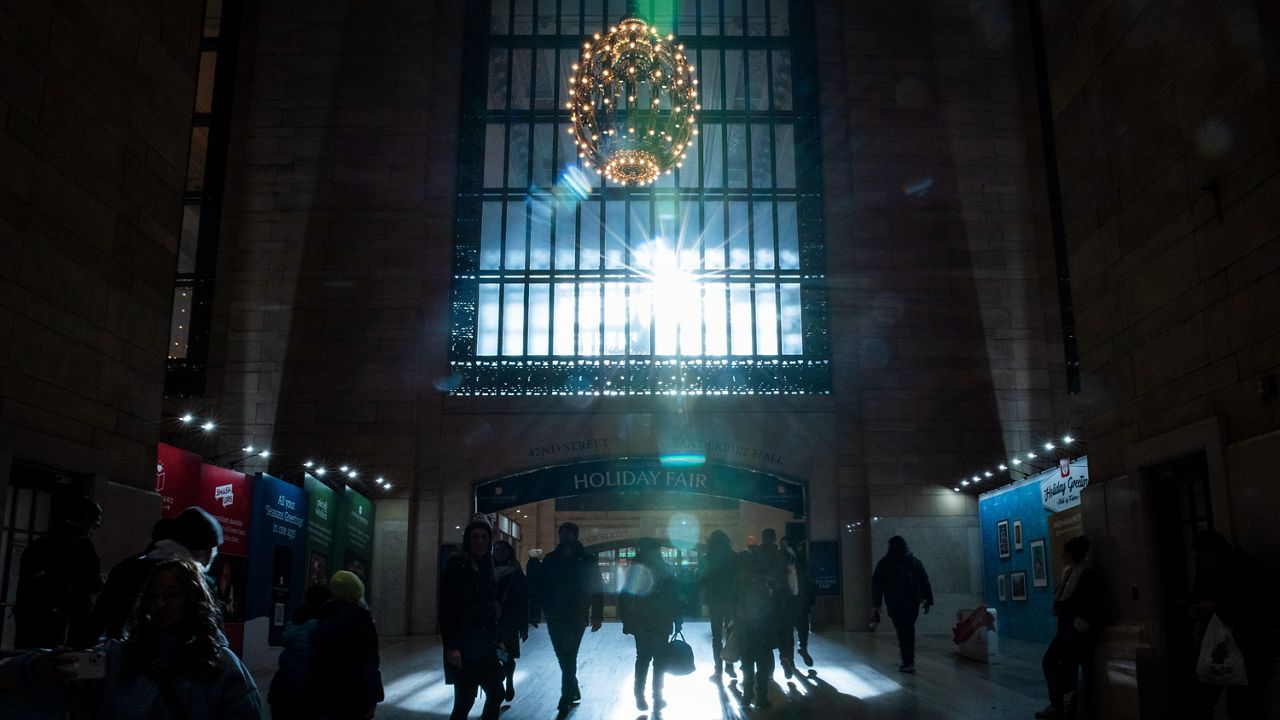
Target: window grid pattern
point(708, 282)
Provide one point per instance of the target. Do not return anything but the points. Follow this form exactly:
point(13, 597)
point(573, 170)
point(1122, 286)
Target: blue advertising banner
point(277, 562)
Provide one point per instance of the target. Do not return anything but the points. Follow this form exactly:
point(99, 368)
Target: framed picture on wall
point(1002, 537)
point(1039, 564)
point(1017, 534)
point(1018, 583)
point(1002, 587)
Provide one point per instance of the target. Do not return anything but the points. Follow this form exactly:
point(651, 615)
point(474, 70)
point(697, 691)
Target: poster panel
point(227, 495)
point(177, 479)
point(824, 566)
point(276, 560)
point(354, 547)
point(322, 517)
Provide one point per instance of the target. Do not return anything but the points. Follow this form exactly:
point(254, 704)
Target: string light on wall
point(633, 101)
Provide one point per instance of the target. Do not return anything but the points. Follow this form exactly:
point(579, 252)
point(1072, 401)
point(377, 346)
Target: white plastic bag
point(729, 653)
point(1220, 660)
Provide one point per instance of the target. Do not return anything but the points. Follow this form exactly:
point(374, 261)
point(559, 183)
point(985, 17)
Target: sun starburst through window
point(708, 281)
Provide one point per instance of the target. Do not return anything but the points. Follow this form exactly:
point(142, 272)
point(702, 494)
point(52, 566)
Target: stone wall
point(95, 120)
point(1167, 128)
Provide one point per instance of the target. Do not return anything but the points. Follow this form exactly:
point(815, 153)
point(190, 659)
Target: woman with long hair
point(718, 578)
point(174, 662)
point(474, 655)
point(513, 603)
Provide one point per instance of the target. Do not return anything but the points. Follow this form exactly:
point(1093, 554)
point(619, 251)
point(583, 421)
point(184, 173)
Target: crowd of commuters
point(151, 644)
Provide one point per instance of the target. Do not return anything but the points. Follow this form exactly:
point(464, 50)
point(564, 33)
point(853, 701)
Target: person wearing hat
point(649, 609)
point(568, 594)
point(193, 535)
point(57, 577)
point(346, 682)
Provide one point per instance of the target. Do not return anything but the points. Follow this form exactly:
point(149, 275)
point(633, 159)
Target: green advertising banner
point(354, 546)
point(322, 517)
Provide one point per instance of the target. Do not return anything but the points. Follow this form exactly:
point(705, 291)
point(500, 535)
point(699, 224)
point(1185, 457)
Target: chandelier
point(633, 100)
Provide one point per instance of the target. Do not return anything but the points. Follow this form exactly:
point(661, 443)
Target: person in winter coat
point(718, 579)
point(288, 695)
point(193, 535)
point(1078, 602)
point(474, 655)
point(1234, 586)
point(346, 683)
point(901, 582)
point(780, 564)
point(568, 590)
point(513, 601)
point(173, 662)
point(755, 622)
point(649, 609)
point(57, 577)
point(806, 595)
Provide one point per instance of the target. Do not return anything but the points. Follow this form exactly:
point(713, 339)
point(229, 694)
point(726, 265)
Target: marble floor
point(855, 675)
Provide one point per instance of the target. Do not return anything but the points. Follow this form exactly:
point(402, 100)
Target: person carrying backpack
point(901, 583)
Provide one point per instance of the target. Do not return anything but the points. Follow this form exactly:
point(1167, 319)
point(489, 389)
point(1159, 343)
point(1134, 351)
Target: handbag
point(678, 658)
point(729, 653)
point(1221, 662)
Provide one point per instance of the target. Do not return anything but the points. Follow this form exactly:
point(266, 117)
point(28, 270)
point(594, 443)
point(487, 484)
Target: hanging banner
point(1060, 487)
point(640, 476)
point(354, 546)
point(177, 479)
point(277, 567)
point(227, 495)
point(322, 516)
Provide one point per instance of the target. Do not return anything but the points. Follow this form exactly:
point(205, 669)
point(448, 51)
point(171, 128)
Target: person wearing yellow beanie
point(345, 671)
point(346, 586)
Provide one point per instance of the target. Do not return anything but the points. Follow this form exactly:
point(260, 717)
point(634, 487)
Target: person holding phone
point(173, 663)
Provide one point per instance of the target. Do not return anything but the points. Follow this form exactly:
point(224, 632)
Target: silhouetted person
point(569, 593)
point(289, 696)
point(901, 583)
point(1079, 602)
point(193, 535)
point(513, 599)
point(648, 607)
point(718, 578)
point(57, 577)
point(346, 682)
point(1231, 585)
point(469, 624)
point(806, 595)
point(531, 570)
point(755, 623)
point(780, 565)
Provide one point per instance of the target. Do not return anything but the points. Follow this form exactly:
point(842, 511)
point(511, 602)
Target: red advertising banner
point(177, 479)
point(226, 494)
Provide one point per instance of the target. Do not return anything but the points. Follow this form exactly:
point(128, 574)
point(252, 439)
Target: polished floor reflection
point(854, 676)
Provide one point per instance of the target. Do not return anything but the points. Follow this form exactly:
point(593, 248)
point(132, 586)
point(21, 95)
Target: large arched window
point(708, 282)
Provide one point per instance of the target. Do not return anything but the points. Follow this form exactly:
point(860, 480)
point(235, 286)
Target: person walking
point(513, 601)
point(901, 582)
point(1078, 603)
point(718, 579)
point(649, 609)
point(779, 563)
point(806, 596)
point(569, 595)
point(346, 681)
point(57, 577)
point(474, 657)
point(755, 623)
point(288, 696)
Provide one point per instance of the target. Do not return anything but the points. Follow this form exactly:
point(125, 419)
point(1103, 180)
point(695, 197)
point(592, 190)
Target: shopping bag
point(729, 653)
point(679, 656)
point(1221, 662)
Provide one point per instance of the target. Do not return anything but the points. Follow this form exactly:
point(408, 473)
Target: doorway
point(1179, 508)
